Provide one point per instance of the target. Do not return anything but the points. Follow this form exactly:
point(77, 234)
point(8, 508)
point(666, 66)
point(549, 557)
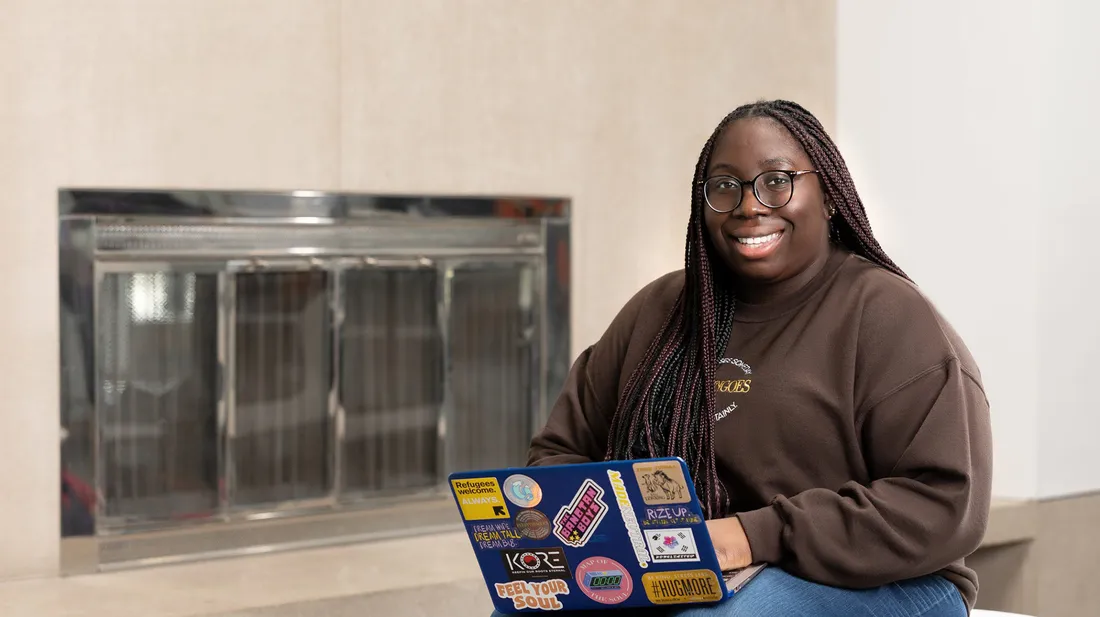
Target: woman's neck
point(755, 292)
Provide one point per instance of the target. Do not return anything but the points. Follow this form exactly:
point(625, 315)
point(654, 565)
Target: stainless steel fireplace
point(248, 370)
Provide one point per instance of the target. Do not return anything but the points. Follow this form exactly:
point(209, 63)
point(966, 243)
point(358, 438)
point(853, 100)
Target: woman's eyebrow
point(777, 161)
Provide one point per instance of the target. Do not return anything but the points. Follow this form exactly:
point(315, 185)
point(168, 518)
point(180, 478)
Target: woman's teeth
point(759, 239)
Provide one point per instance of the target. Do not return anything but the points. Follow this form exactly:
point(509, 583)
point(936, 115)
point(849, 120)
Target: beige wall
point(605, 102)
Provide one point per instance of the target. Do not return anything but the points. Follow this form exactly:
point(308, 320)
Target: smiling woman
point(854, 456)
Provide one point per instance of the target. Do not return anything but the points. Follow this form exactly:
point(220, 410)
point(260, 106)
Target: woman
point(835, 425)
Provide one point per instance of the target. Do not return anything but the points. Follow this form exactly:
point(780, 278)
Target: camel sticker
point(661, 483)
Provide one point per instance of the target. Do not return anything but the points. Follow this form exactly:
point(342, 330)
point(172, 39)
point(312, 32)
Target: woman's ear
point(830, 209)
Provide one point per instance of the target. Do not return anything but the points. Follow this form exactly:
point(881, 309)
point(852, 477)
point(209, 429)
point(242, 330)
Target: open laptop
point(605, 535)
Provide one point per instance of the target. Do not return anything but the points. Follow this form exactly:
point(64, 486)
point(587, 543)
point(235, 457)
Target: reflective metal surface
point(234, 358)
point(260, 205)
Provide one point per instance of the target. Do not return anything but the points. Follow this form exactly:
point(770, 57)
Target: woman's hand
point(730, 542)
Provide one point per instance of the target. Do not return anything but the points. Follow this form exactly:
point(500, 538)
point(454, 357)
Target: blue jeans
point(774, 593)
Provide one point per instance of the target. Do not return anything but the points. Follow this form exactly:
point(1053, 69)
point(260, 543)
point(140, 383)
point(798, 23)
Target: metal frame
point(337, 413)
point(230, 232)
point(227, 417)
point(446, 408)
point(301, 206)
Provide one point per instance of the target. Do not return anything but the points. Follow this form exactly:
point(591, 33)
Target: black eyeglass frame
point(756, 193)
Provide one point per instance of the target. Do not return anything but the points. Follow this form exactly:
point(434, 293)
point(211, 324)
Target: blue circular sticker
point(522, 491)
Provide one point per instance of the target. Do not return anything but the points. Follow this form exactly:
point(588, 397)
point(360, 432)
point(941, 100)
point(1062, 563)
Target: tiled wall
point(607, 103)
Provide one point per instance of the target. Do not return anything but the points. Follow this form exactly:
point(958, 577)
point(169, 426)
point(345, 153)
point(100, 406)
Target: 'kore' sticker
point(541, 595)
point(576, 522)
point(480, 499)
point(534, 564)
point(637, 540)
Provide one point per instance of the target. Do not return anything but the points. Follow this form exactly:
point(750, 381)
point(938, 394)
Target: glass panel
point(492, 374)
point(283, 439)
point(391, 379)
point(157, 345)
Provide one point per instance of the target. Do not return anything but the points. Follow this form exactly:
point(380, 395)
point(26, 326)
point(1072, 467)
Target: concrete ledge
point(460, 599)
point(1011, 521)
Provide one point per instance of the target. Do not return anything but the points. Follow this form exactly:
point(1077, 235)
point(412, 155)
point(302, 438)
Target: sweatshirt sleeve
point(929, 454)
point(578, 426)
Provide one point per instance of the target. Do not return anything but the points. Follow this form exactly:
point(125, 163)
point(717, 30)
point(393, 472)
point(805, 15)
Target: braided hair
point(667, 406)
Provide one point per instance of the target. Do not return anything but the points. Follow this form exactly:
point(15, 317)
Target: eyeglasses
point(774, 189)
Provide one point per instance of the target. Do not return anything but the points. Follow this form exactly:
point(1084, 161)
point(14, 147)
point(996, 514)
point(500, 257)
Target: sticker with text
point(522, 491)
point(480, 499)
point(533, 524)
point(670, 516)
point(671, 545)
point(681, 586)
point(626, 509)
point(542, 595)
point(536, 564)
point(604, 580)
point(495, 535)
point(576, 522)
point(661, 483)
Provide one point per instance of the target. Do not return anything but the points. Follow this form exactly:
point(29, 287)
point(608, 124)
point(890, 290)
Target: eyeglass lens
point(774, 189)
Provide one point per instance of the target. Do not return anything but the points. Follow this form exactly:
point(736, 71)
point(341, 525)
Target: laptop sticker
point(670, 516)
point(533, 524)
point(499, 534)
point(604, 580)
point(576, 522)
point(480, 499)
point(669, 545)
point(541, 595)
point(661, 483)
point(522, 491)
point(536, 564)
point(637, 540)
point(681, 586)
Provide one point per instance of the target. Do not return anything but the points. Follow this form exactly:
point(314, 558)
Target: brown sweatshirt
point(851, 430)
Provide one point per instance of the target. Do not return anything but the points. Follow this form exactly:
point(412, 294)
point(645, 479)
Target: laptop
point(614, 534)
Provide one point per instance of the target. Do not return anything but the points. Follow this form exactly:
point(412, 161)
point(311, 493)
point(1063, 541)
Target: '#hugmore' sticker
point(682, 586)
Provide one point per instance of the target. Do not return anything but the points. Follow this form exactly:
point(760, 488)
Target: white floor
point(422, 574)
